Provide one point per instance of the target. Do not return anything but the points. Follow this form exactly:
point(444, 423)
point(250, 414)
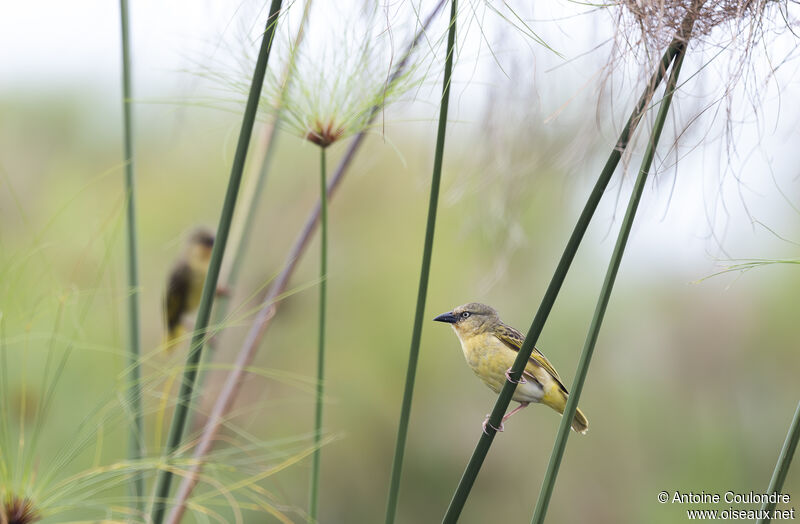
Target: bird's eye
point(465, 314)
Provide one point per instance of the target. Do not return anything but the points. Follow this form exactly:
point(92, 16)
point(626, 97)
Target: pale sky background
point(52, 46)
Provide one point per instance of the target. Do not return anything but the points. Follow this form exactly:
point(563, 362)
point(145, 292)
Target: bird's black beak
point(448, 317)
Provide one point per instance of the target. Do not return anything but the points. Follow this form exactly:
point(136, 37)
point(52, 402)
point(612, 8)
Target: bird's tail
point(557, 400)
point(580, 423)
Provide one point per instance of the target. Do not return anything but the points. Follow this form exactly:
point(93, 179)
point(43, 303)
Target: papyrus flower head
point(332, 81)
point(18, 510)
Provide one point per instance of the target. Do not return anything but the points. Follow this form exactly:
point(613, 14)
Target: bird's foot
point(224, 291)
point(520, 381)
point(486, 424)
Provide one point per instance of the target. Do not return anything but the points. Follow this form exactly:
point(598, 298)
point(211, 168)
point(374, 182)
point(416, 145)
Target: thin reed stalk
point(262, 321)
point(323, 291)
point(135, 437)
point(241, 232)
point(605, 294)
point(422, 292)
point(178, 426)
point(784, 461)
point(484, 443)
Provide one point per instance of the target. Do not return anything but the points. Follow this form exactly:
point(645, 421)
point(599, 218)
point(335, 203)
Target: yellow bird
point(185, 282)
point(490, 347)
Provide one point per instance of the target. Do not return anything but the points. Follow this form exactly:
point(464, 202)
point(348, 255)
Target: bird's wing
point(177, 294)
point(514, 339)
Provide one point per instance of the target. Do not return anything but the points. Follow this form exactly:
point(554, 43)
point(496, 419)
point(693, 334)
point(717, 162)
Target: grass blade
point(422, 293)
point(504, 398)
point(605, 295)
point(178, 426)
point(135, 438)
point(784, 461)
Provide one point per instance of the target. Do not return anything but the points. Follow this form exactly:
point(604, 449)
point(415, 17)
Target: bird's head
point(470, 319)
point(200, 244)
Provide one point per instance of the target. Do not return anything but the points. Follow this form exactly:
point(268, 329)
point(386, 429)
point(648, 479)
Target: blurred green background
point(692, 385)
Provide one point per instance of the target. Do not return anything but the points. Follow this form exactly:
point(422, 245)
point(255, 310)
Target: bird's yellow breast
point(490, 358)
point(198, 279)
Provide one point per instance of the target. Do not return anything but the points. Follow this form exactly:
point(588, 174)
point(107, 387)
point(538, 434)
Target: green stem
point(178, 426)
point(323, 285)
point(784, 461)
point(605, 295)
point(504, 398)
point(135, 441)
point(416, 334)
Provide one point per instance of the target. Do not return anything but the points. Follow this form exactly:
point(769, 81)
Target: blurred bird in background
point(490, 347)
point(185, 282)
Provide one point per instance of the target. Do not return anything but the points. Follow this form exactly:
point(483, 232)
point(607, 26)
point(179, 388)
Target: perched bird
point(185, 282)
point(490, 347)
